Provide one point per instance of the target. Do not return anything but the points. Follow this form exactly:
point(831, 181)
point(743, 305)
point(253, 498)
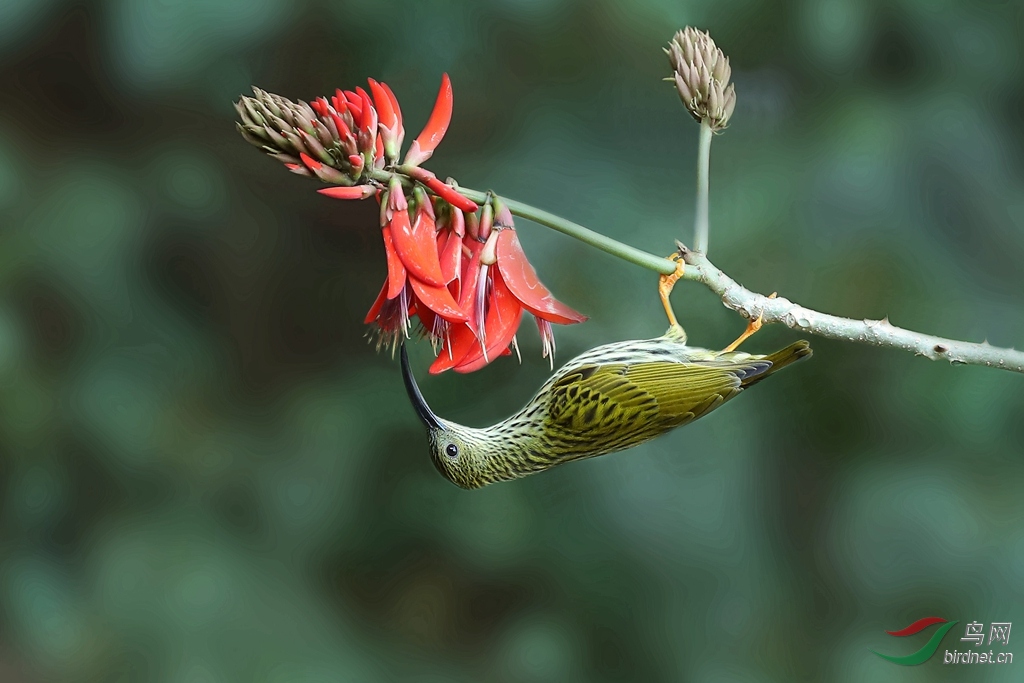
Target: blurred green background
point(208, 475)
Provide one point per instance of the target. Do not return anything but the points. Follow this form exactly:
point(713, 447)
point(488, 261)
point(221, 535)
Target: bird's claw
point(667, 282)
point(752, 327)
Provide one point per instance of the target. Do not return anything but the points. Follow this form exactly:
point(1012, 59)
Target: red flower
point(437, 125)
point(389, 120)
point(498, 284)
point(463, 275)
point(415, 281)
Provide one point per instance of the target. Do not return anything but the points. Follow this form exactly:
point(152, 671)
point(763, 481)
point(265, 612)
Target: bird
point(610, 398)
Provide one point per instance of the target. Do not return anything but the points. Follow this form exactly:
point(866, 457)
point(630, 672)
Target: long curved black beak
point(422, 409)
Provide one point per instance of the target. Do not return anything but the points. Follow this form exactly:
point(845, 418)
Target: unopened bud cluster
point(329, 133)
point(702, 77)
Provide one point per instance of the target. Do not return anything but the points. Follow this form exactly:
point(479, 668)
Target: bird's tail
point(780, 359)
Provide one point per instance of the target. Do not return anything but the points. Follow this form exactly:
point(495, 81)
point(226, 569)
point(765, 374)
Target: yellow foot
point(665, 285)
point(752, 327)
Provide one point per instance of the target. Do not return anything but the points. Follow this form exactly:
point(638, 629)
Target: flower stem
point(700, 221)
point(623, 251)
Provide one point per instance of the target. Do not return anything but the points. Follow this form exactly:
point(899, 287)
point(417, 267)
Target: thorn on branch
point(685, 253)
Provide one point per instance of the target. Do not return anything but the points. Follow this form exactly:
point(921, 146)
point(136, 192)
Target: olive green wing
point(617, 406)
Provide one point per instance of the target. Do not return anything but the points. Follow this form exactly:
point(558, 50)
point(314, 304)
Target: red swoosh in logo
point(917, 626)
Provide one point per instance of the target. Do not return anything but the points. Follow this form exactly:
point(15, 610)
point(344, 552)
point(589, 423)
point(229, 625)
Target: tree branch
point(879, 333)
point(749, 304)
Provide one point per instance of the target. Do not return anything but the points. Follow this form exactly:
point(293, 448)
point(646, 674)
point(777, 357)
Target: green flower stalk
point(701, 76)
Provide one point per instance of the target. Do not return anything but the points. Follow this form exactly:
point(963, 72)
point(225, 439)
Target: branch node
point(685, 253)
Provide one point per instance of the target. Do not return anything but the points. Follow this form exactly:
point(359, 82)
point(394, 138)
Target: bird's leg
point(752, 327)
point(665, 285)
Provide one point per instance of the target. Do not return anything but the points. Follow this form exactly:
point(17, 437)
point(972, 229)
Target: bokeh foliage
point(208, 475)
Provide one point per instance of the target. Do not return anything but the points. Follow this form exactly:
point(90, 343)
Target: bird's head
point(458, 452)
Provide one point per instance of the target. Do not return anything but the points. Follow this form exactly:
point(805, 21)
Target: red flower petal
point(426, 316)
point(394, 105)
point(357, 192)
point(460, 342)
point(451, 255)
point(470, 276)
point(435, 328)
point(417, 247)
point(366, 139)
point(396, 197)
point(439, 300)
point(311, 163)
point(385, 112)
point(343, 129)
point(375, 308)
point(389, 143)
point(461, 338)
point(396, 271)
point(298, 169)
point(355, 104)
point(366, 106)
point(503, 318)
point(451, 195)
point(459, 223)
point(524, 284)
point(437, 125)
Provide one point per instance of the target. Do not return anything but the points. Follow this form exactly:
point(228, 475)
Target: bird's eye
point(451, 450)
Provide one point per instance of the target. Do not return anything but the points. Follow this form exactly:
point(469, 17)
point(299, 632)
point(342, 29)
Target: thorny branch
point(879, 333)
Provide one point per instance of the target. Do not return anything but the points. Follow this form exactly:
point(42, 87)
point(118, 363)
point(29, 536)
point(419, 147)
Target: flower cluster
point(701, 76)
point(495, 284)
point(455, 266)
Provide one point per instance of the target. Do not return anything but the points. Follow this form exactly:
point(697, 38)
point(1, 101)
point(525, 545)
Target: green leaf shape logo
point(926, 652)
